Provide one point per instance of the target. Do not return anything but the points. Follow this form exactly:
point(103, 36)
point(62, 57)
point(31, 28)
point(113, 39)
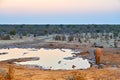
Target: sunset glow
point(58, 7)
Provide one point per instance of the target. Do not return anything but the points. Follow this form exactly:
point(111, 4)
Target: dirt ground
point(110, 70)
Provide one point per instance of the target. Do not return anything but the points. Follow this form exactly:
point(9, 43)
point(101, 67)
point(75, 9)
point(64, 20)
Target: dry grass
point(7, 76)
point(3, 75)
point(11, 72)
point(76, 76)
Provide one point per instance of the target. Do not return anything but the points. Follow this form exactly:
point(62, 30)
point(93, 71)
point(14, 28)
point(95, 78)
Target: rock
point(101, 66)
point(115, 66)
point(73, 66)
point(69, 58)
point(59, 62)
point(62, 50)
point(25, 53)
point(95, 66)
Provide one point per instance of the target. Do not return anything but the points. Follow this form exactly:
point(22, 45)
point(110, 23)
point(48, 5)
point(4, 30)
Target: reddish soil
point(110, 58)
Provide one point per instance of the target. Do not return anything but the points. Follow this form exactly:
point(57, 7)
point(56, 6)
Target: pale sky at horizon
point(60, 11)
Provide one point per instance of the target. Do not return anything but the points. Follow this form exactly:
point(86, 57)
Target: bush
point(70, 38)
point(13, 32)
point(7, 37)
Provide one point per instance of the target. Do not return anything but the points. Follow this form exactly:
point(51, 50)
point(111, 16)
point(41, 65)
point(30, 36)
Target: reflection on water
point(49, 58)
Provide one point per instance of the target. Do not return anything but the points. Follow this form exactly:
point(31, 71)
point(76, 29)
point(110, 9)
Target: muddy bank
point(12, 61)
point(38, 43)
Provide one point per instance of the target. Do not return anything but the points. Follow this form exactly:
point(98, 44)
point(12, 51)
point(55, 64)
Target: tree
point(13, 32)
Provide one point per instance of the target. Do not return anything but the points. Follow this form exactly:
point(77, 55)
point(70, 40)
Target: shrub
point(70, 38)
point(7, 37)
point(13, 32)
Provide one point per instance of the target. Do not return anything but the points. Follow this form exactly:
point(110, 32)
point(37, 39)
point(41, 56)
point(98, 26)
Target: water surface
point(49, 58)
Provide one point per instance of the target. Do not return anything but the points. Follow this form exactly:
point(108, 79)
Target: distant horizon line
point(59, 24)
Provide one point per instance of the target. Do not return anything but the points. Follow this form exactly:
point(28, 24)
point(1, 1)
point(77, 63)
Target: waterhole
point(48, 58)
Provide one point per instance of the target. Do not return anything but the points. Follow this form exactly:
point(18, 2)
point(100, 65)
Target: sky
point(59, 11)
